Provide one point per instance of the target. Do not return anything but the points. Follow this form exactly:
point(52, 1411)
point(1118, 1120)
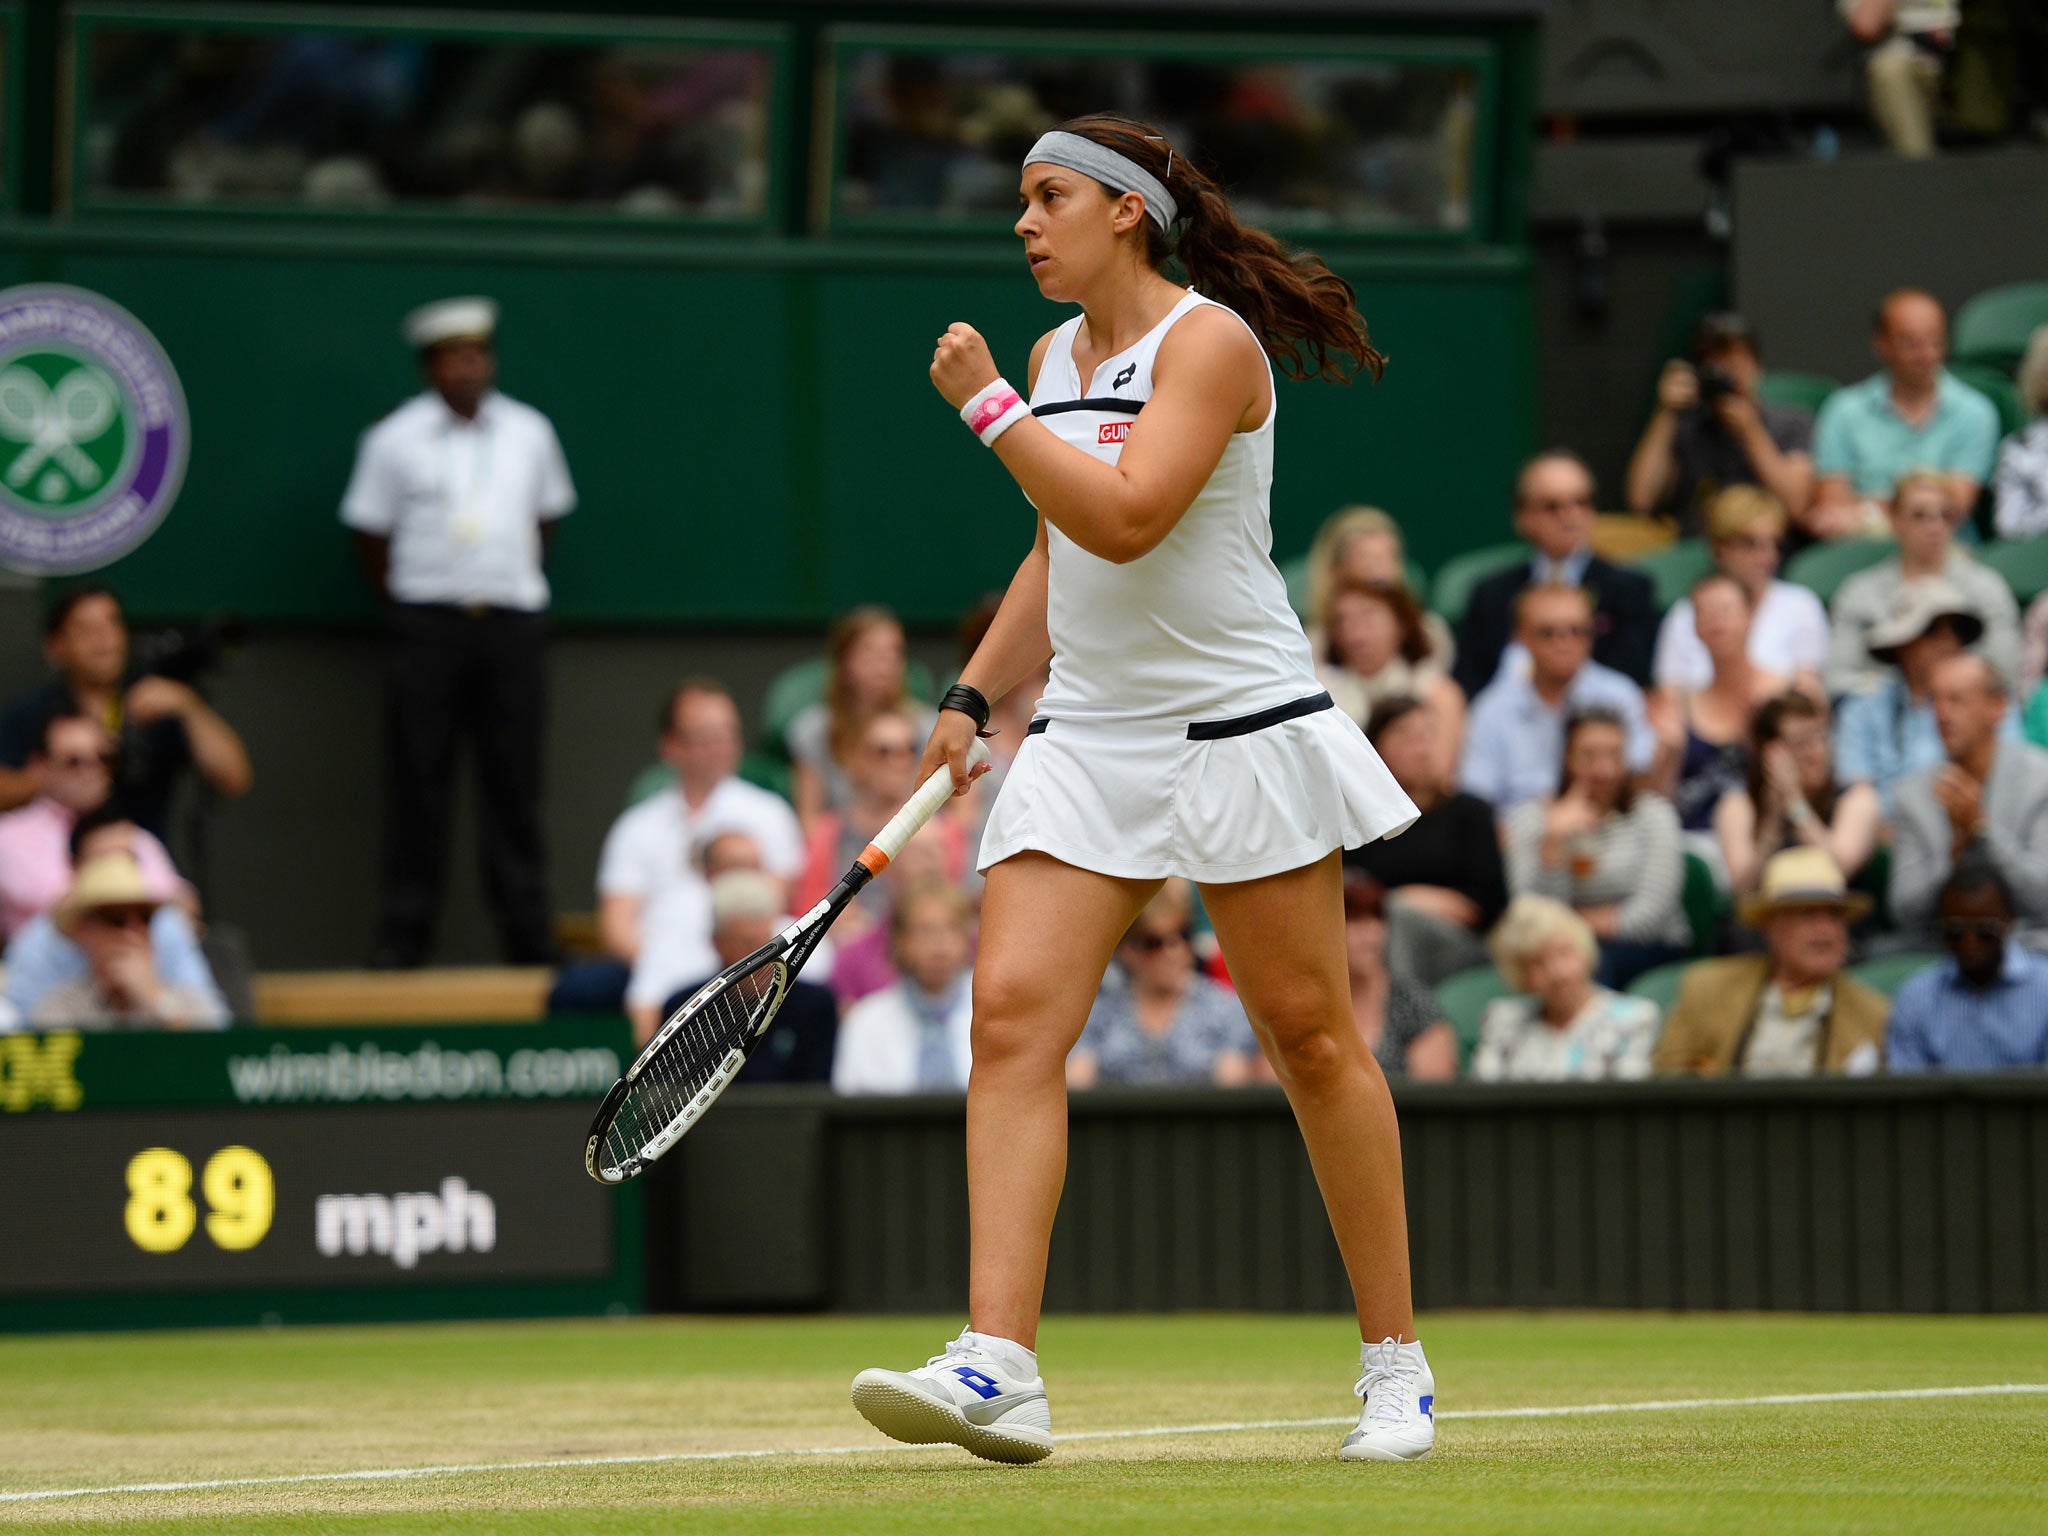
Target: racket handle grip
point(922, 806)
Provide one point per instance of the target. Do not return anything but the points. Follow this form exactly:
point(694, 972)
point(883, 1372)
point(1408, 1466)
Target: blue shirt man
point(1941, 1023)
point(40, 959)
point(1915, 414)
point(1882, 737)
point(1985, 1008)
point(1514, 740)
point(1863, 438)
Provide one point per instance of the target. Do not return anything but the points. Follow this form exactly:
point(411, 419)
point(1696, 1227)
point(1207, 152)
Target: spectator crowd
point(1766, 826)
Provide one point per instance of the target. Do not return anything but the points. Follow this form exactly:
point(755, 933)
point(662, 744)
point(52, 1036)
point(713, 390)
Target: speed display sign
point(377, 1202)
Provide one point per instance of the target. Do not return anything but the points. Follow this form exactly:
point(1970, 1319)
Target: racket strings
point(690, 1058)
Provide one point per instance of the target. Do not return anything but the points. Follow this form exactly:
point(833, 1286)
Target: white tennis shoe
point(974, 1394)
point(1398, 1419)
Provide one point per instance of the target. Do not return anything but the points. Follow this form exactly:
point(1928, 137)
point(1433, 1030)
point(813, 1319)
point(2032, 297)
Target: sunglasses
point(1152, 943)
point(1562, 632)
point(1560, 504)
point(1975, 927)
point(119, 917)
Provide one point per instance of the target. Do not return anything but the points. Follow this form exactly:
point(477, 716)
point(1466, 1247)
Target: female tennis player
point(1183, 733)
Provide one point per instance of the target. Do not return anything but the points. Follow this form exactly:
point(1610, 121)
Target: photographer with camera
point(1710, 431)
point(159, 725)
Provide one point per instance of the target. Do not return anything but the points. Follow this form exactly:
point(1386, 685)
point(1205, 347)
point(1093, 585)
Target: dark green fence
point(1886, 1195)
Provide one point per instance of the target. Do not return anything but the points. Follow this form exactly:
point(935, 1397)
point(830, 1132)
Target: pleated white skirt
point(1144, 802)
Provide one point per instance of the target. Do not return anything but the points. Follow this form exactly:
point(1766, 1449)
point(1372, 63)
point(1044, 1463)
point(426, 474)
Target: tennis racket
point(702, 1047)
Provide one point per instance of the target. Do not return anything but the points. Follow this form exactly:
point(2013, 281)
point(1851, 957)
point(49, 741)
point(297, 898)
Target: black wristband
point(970, 702)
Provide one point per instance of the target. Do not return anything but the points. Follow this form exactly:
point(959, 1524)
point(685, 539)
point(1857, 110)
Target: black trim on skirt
point(1242, 725)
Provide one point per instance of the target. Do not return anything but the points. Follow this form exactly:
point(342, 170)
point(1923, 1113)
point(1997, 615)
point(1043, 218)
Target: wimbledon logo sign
point(93, 430)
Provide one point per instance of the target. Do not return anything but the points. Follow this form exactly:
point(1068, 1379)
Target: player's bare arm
point(1210, 383)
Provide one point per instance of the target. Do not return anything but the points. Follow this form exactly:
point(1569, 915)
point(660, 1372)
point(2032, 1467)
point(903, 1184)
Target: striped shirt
point(1942, 1024)
point(2021, 485)
point(1633, 861)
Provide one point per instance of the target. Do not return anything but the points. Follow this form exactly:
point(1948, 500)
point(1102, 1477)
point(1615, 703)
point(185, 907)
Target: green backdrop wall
point(749, 424)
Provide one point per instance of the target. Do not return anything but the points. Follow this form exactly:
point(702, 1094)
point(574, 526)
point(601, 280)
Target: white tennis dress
point(1183, 731)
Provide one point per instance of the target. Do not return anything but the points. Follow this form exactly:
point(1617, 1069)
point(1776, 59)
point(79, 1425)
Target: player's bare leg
point(1047, 931)
point(1283, 937)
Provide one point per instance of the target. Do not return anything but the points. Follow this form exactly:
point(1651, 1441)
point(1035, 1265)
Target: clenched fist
point(961, 365)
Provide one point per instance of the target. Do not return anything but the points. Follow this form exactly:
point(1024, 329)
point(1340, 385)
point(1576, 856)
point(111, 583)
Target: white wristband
point(993, 411)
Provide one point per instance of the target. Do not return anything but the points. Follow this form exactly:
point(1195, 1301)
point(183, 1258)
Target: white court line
point(389, 1474)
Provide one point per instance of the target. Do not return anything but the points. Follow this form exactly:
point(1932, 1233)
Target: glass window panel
point(363, 120)
point(1353, 142)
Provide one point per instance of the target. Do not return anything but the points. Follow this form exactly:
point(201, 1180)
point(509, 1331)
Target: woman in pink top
point(75, 766)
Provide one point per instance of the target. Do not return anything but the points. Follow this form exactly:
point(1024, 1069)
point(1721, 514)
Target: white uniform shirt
point(461, 501)
point(880, 1040)
point(1197, 628)
point(647, 854)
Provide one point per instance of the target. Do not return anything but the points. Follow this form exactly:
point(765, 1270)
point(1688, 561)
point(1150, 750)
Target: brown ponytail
point(1305, 315)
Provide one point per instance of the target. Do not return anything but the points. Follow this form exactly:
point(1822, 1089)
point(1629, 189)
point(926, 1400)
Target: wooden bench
point(454, 995)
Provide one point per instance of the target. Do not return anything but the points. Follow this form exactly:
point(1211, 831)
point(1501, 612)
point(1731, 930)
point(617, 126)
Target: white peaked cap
point(465, 319)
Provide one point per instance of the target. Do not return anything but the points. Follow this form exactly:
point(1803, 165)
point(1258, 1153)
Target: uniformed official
point(453, 502)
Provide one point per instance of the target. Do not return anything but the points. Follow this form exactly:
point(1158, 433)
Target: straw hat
point(1915, 608)
point(1802, 877)
point(111, 880)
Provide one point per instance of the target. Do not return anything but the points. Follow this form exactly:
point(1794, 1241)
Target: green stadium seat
point(766, 770)
point(1295, 573)
point(1993, 328)
point(1705, 906)
point(1874, 880)
point(1674, 568)
point(1459, 575)
point(1660, 985)
point(1823, 568)
point(1892, 971)
point(1808, 391)
point(1463, 998)
point(790, 693)
point(1999, 389)
point(2022, 562)
point(647, 783)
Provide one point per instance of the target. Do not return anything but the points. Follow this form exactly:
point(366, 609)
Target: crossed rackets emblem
point(51, 423)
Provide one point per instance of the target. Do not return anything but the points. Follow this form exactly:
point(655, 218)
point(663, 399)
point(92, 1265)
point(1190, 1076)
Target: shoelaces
point(1385, 1365)
point(959, 1349)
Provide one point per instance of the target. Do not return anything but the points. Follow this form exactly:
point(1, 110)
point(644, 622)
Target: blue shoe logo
point(1428, 1407)
point(985, 1386)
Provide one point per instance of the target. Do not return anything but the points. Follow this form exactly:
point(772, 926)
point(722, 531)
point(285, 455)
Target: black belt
point(1240, 725)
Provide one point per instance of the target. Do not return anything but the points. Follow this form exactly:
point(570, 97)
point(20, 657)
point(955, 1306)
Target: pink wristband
point(993, 411)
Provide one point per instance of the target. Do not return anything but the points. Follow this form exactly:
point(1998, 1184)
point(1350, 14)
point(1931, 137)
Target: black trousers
point(452, 673)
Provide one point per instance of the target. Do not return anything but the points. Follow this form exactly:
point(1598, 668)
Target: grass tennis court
point(97, 1411)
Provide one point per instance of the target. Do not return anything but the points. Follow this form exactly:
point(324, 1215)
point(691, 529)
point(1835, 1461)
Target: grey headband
point(1108, 167)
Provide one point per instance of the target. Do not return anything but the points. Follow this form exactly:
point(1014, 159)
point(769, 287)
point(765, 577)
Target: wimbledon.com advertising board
point(240, 1176)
